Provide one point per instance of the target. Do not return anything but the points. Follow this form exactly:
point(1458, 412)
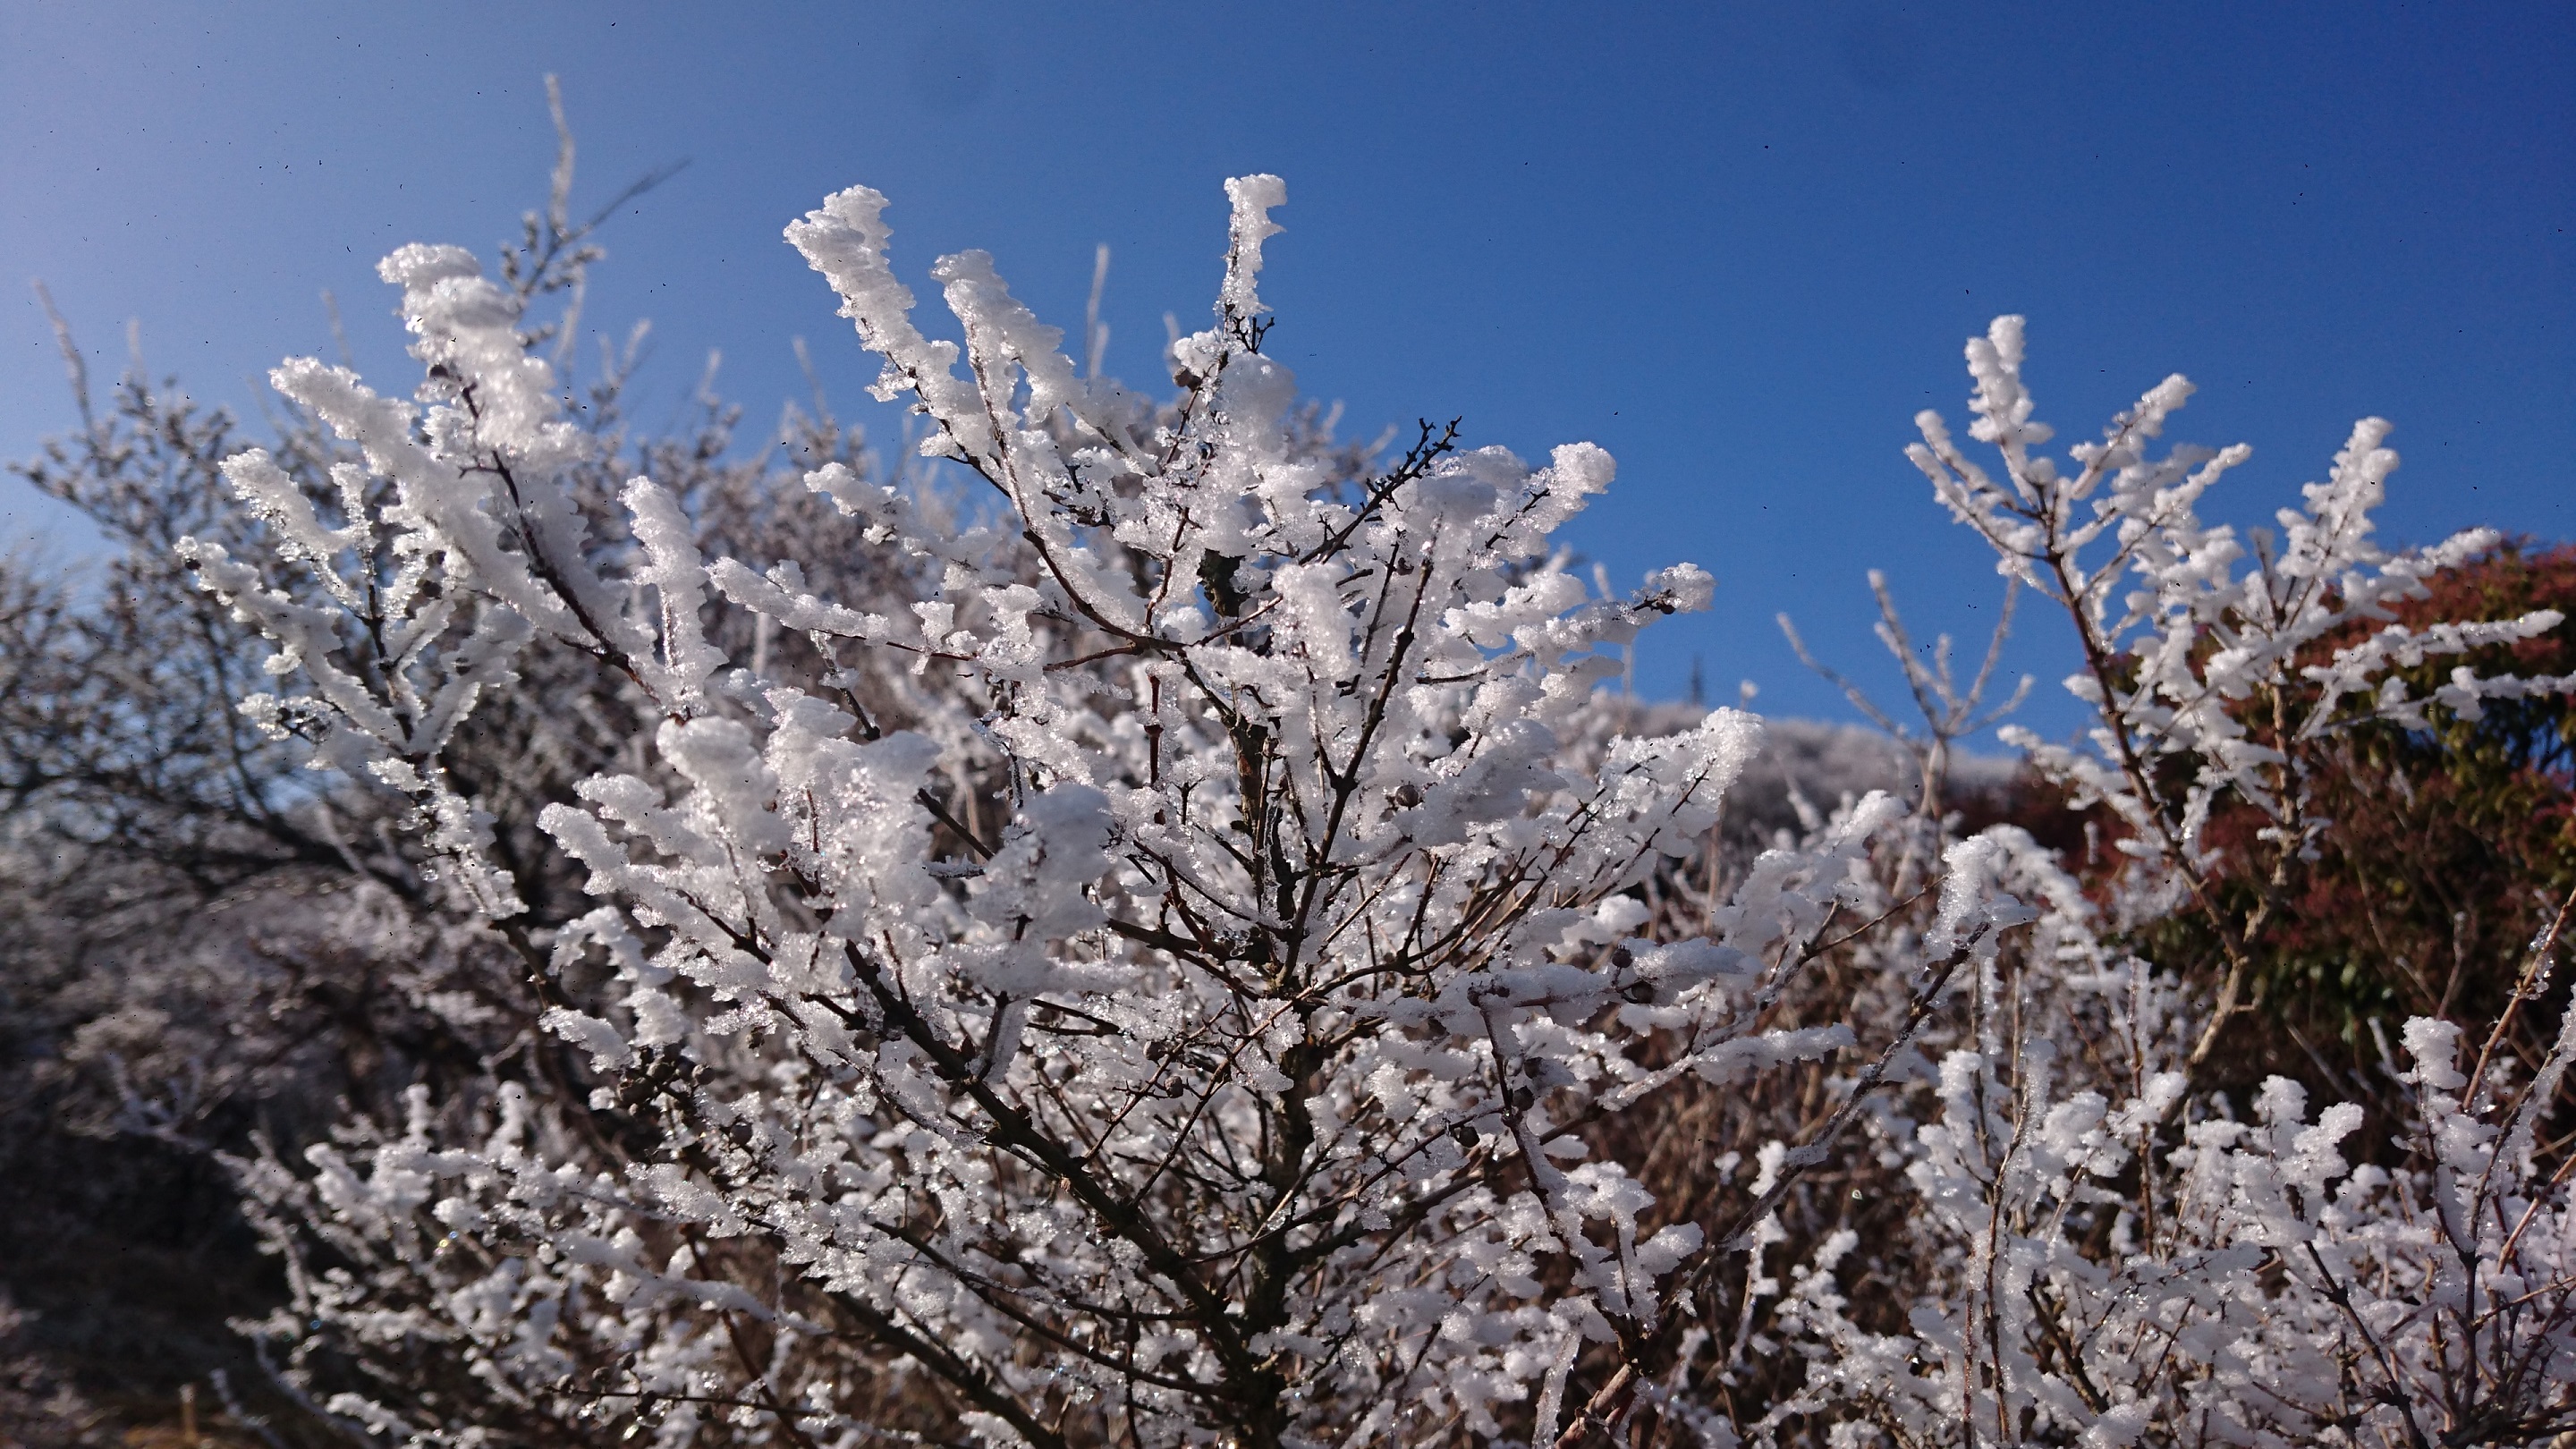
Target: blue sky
point(1737, 245)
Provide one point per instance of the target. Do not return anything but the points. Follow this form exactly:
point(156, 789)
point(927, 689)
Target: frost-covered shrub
point(1224, 1080)
point(2097, 1249)
point(2448, 847)
point(1175, 946)
point(200, 941)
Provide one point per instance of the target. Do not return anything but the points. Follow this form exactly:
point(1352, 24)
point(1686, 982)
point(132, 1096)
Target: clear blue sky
point(1738, 245)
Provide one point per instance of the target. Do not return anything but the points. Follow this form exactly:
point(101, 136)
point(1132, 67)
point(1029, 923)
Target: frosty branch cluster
point(1175, 947)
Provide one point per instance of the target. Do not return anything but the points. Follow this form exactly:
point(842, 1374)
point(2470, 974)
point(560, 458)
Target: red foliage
point(2448, 848)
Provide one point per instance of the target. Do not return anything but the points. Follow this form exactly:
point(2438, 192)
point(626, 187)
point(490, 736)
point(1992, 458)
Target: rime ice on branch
point(1169, 956)
point(1180, 1017)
